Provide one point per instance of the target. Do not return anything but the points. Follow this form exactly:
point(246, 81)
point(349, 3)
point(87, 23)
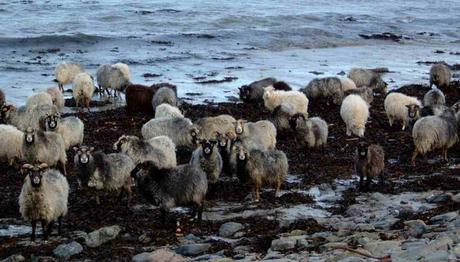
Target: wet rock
point(456, 198)
point(67, 250)
point(385, 223)
point(283, 244)
point(191, 238)
point(14, 258)
point(242, 249)
point(102, 235)
point(365, 227)
point(272, 255)
point(144, 239)
point(192, 249)
point(443, 218)
point(415, 228)
point(383, 248)
point(229, 229)
point(354, 211)
point(436, 256)
point(457, 250)
point(207, 257)
point(79, 236)
point(442, 243)
point(352, 259)
point(438, 198)
point(160, 255)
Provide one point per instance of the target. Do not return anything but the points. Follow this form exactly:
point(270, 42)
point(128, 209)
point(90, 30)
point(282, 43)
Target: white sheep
point(208, 126)
point(124, 68)
point(11, 140)
point(66, 72)
point(167, 111)
point(70, 128)
point(83, 90)
point(396, 107)
point(274, 98)
point(39, 99)
point(57, 97)
point(347, 84)
point(354, 112)
point(259, 135)
point(24, 117)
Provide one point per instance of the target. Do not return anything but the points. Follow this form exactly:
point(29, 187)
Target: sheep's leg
point(444, 154)
point(348, 131)
point(414, 156)
point(278, 187)
point(98, 202)
point(45, 233)
point(108, 92)
point(163, 215)
point(61, 87)
point(368, 181)
point(129, 195)
point(60, 225)
point(390, 120)
point(404, 125)
point(62, 167)
point(200, 212)
point(34, 226)
point(257, 193)
point(382, 179)
point(50, 228)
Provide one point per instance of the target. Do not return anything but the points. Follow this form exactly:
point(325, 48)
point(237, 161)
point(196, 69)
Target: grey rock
point(438, 198)
point(160, 255)
point(192, 249)
point(68, 250)
point(344, 226)
point(79, 236)
point(443, 218)
point(457, 250)
point(102, 235)
point(242, 249)
point(283, 244)
point(383, 248)
point(144, 239)
point(442, 243)
point(207, 257)
point(365, 227)
point(456, 198)
point(303, 243)
point(14, 258)
point(385, 223)
point(192, 238)
point(354, 211)
point(436, 256)
point(229, 229)
point(415, 228)
point(352, 259)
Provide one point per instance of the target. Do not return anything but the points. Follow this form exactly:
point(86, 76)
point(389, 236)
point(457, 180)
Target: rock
point(242, 249)
point(192, 249)
point(144, 239)
point(457, 250)
point(43, 259)
point(383, 248)
point(415, 228)
point(160, 255)
point(365, 227)
point(191, 238)
point(385, 222)
point(102, 235)
point(229, 229)
point(79, 236)
point(354, 211)
point(456, 198)
point(438, 198)
point(442, 243)
point(352, 259)
point(14, 258)
point(344, 226)
point(436, 256)
point(67, 250)
point(283, 244)
point(443, 218)
point(207, 257)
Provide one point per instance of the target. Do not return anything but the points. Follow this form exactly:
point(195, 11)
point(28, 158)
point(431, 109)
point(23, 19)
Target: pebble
point(229, 229)
point(192, 249)
point(67, 250)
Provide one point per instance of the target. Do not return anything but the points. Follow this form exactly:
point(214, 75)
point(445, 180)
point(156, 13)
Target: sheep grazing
point(167, 111)
point(364, 92)
point(83, 90)
point(114, 77)
point(369, 78)
point(2, 98)
point(40, 99)
point(102, 172)
point(440, 76)
point(23, 117)
point(66, 72)
point(259, 135)
point(354, 112)
point(327, 87)
point(347, 84)
point(208, 126)
point(70, 128)
point(160, 150)
point(208, 158)
point(168, 188)
point(43, 197)
point(254, 91)
point(11, 142)
point(180, 130)
point(57, 97)
point(369, 162)
point(261, 167)
point(273, 98)
point(435, 132)
point(396, 107)
point(164, 95)
point(312, 132)
point(45, 147)
point(139, 98)
point(281, 115)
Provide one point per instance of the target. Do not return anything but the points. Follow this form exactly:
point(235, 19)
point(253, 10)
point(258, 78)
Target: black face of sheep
point(208, 146)
point(35, 173)
point(84, 154)
point(222, 140)
point(245, 93)
point(293, 120)
point(362, 150)
point(412, 110)
point(52, 121)
point(29, 136)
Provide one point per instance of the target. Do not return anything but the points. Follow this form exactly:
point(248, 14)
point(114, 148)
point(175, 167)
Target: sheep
point(103, 172)
point(435, 132)
point(254, 91)
point(347, 84)
point(354, 112)
point(208, 126)
point(66, 72)
point(273, 98)
point(44, 197)
point(180, 130)
point(160, 150)
point(259, 135)
point(83, 90)
point(325, 87)
point(167, 111)
point(39, 99)
point(369, 162)
point(261, 167)
point(312, 132)
point(124, 68)
point(23, 117)
point(70, 128)
point(114, 77)
point(440, 76)
point(224, 145)
point(369, 78)
point(396, 107)
point(11, 142)
point(434, 97)
point(364, 92)
point(208, 158)
point(57, 97)
point(164, 95)
point(2, 98)
point(168, 188)
point(281, 115)
point(139, 98)
point(44, 147)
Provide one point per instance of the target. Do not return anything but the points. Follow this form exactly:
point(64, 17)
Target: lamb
point(440, 76)
point(180, 130)
point(102, 172)
point(66, 72)
point(83, 90)
point(57, 97)
point(168, 188)
point(160, 150)
point(39, 99)
point(281, 115)
point(23, 117)
point(11, 142)
point(168, 111)
point(354, 112)
point(312, 132)
point(208, 158)
point(2, 98)
point(262, 167)
point(139, 98)
point(325, 87)
point(369, 78)
point(296, 99)
point(70, 128)
point(369, 162)
point(164, 95)
point(396, 107)
point(208, 126)
point(114, 77)
point(364, 92)
point(259, 135)
point(347, 84)
point(254, 92)
point(44, 197)
point(435, 132)
point(45, 147)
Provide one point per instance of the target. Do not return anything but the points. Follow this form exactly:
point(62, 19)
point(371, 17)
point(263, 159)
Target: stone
point(415, 228)
point(160, 255)
point(14, 258)
point(102, 235)
point(283, 244)
point(352, 259)
point(207, 257)
point(457, 250)
point(436, 256)
point(242, 249)
point(354, 211)
point(365, 227)
point(67, 250)
point(385, 223)
point(444, 218)
point(442, 243)
point(438, 198)
point(192, 249)
point(229, 229)
point(383, 248)
point(79, 236)
point(456, 198)
point(144, 239)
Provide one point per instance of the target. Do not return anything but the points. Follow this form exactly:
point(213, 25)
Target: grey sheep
point(259, 135)
point(208, 126)
point(11, 142)
point(180, 130)
point(366, 77)
point(103, 172)
point(208, 158)
point(327, 87)
point(112, 77)
point(281, 115)
point(24, 117)
point(45, 147)
point(254, 91)
point(435, 132)
point(164, 95)
point(440, 75)
point(44, 197)
point(312, 132)
point(369, 162)
point(262, 167)
point(364, 92)
point(70, 128)
point(168, 188)
point(160, 150)
point(434, 97)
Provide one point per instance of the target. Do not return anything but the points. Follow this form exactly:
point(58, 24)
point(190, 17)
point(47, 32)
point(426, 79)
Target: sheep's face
point(52, 121)
point(194, 132)
point(361, 150)
point(121, 141)
point(222, 140)
point(381, 86)
point(245, 93)
point(239, 126)
point(296, 120)
point(413, 111)
point(456, 107)
point(207, 146)
point(29, 136)
point(84, 154)
point(241, 153)
point(35, 173)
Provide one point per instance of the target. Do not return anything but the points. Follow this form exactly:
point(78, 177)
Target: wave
point(77, 38)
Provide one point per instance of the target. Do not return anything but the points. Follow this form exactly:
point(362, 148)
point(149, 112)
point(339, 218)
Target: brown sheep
point(370, 162)
point(139, 98)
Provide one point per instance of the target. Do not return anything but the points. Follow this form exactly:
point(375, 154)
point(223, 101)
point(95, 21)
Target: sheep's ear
point(75, 149)
point(91, 149)
point(25, 168)
point(218, 133)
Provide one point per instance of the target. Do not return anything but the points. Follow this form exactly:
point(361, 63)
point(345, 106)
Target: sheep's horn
point(43, 166)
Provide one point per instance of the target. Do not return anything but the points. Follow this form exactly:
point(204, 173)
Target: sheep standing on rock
point(259, 135)
point(43, 198)
point(369, 78)
point(167, 111)
point(312, 132)
point(396, 108)
point(66, 72)
point(273, 98)
point(369, 162)
point(70, 128)
point(11, 140)
point(327, 87)
point(180, 130)
point(354, 112)
point(208, 158)
point(39, 99)
point(57, 97)
point(208, 126)
point(83, 90)
point(440, 76)
point(164, 95)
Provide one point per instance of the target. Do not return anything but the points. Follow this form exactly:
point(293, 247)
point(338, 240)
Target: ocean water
point(195, 44)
